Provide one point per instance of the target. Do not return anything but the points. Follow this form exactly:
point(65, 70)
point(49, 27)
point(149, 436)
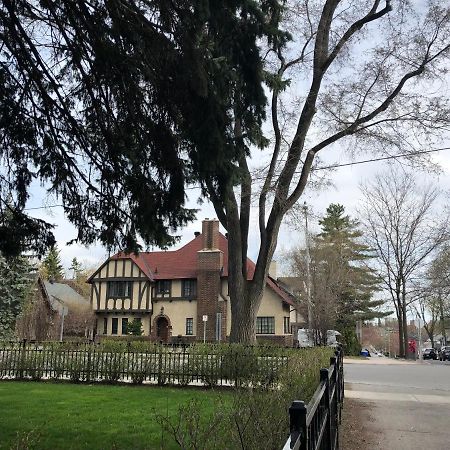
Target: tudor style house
point(173, 292)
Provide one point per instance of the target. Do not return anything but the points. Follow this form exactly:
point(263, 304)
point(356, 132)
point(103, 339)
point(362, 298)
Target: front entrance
point(162, 329)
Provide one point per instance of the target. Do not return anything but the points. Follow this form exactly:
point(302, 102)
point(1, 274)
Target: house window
point(287, 325)
point(189, 326)
point(125, 325)
point(105, 325)
point(120, 289)
point(163, 287)
point(115, 325)
point(265, 325)
point(189, 288)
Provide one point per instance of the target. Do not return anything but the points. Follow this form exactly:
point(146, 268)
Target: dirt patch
point(357, 431)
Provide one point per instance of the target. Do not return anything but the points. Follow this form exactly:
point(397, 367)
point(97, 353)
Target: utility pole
point(308, 271)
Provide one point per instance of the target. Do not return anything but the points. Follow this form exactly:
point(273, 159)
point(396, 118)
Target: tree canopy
point(16, 280)
point(51, 267)
point(117, 105)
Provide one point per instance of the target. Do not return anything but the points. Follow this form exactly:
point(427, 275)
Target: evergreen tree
point(354, 281)
point(52, 268)
point(357, 282)
point(16, 277)
point(77, 268)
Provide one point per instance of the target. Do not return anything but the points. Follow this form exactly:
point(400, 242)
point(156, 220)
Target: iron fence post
point(324, 378)
point(297, 423)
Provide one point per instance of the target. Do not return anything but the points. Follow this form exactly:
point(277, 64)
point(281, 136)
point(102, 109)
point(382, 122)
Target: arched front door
point(162, 329)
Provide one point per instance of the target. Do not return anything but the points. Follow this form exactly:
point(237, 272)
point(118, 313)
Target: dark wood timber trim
point(140, 295)
point(123, 267)
point(147, 302)
point(115, 268)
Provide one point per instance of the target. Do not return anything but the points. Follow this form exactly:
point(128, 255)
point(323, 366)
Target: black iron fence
point(137, 363)
point(316, 426)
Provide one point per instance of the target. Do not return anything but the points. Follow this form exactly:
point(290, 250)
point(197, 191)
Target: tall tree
point(77, 268)
point(16, 278)
point(357, 281)
point(51, 267)
point(398, 214)
point(118, 104)
point(342, 281)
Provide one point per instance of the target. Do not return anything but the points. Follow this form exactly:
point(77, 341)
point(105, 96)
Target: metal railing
point(316, 426)
point(207, 365)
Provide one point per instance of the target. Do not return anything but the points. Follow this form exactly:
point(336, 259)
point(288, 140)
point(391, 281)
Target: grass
point(66, 416)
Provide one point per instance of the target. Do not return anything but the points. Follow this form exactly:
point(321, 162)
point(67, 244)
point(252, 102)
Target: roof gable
point(182, 264)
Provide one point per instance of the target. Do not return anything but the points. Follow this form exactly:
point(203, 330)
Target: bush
point(257, 416)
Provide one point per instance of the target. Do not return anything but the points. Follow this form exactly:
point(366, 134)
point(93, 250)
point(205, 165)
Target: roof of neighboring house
point(292, 284)
point(182, 264)
point(60, 295)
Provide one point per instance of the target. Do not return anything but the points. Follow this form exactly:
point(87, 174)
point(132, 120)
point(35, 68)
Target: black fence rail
point(206, 365)
point(316, 426)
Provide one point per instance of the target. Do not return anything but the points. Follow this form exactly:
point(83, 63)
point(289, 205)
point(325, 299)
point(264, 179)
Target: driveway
point(408, 402)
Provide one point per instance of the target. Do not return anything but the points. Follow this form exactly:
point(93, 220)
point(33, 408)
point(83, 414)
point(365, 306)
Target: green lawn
point(66, 416)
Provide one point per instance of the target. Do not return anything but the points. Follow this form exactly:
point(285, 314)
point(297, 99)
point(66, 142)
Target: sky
point(343, 189)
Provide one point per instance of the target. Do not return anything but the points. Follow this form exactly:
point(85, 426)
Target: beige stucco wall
point(271, 306)
point(177, 311)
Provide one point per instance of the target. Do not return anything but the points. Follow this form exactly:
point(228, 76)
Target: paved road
point(410, 402)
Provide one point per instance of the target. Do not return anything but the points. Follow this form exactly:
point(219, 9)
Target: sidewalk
point(379, 361)
point(396, 405)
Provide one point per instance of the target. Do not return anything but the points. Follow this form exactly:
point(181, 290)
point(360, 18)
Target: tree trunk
point(405, 329)
point(244, 308)
point(441, 318)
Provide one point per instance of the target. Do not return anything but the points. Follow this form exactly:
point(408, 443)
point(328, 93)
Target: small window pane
point(124, 325)
point(105, 326)
point(163, 287)
point(189, 326)
point(115, 325)
point(265, 325)
point(287, 325)
point(189, 288)
point(120, 289)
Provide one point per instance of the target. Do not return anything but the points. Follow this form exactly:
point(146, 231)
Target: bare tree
point(427, 309)
point(398, 214)
point(355, 73)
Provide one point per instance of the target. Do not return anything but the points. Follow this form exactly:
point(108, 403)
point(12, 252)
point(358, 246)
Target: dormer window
point(163, 287)
point(189, 288)
point(122, 289)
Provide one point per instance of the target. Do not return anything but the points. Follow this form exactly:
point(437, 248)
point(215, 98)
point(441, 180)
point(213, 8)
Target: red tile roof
point(182, 263)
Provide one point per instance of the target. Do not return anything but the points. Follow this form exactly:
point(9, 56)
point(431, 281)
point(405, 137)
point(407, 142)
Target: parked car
point(430, 353)
point(444, 353)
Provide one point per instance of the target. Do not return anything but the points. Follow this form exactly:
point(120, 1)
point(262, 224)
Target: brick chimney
point(210, 234)
point(209, 268)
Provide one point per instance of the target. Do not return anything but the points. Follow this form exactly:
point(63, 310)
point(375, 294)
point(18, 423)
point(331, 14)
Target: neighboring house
point(295, 286)
point(42, 315)
point(37, 317)
point(172, 291)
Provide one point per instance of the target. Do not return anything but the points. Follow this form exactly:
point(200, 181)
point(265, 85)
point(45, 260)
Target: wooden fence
point(206, 365)
point(316, 426)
